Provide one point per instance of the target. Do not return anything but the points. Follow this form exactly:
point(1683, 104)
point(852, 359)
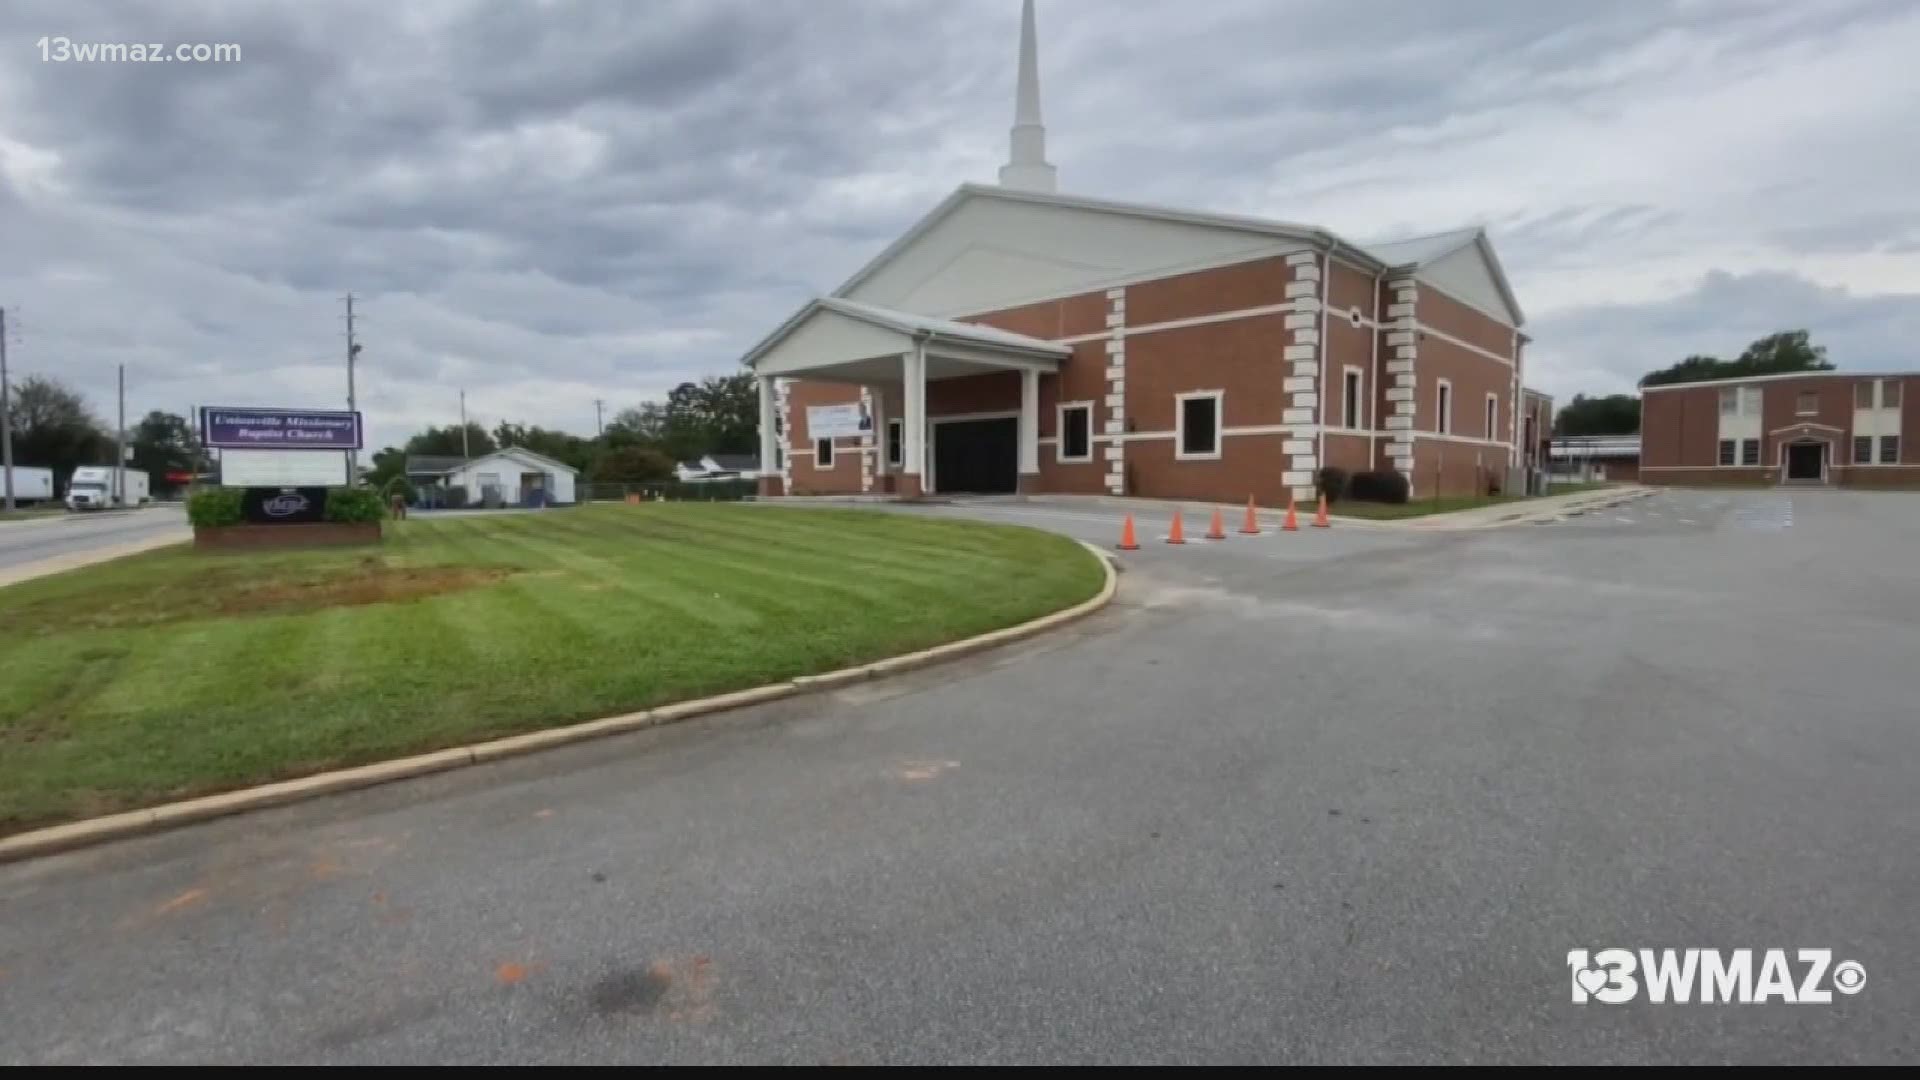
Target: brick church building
point(1020, 340)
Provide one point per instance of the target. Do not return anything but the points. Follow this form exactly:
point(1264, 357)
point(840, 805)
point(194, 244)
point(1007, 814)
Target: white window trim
point(1060, 432)
point(1880, 393)
point(1880, 448)
point(823, 460)
point(1443, 407)
point(900, 461)
point(1360, 399)
point(1180, 424)
point(1491, 415)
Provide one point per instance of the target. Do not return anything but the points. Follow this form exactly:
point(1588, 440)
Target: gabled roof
point(432, 464)
point(965, 192)
point(906, 322)
point(1409, 255)
point(1417, 250)
point(522, 454)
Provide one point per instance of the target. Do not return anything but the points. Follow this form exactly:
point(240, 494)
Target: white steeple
point(1026, 165)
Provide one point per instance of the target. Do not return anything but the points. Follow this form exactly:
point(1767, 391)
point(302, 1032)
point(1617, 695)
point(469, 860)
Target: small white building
point(514, 477)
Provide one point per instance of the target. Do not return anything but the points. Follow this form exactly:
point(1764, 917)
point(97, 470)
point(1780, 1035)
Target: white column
point(879, 429)
point(913, 366)
point(767, 436)
point(1029, 421)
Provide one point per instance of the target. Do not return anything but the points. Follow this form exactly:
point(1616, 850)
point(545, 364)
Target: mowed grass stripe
point(176, 673)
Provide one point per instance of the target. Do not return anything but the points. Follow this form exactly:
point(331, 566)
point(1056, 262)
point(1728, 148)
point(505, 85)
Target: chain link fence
point(669, 491)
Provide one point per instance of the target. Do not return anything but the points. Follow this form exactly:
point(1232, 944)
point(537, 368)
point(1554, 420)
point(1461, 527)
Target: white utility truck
point(92, 488)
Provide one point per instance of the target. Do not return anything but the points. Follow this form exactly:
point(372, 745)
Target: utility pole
point(599, 423)
point(120, 446)
point(465, 454)
point(353, 352)
point(6, 419)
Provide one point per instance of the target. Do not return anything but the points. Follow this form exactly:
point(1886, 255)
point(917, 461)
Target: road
point(34, 540)
point(1342, 796)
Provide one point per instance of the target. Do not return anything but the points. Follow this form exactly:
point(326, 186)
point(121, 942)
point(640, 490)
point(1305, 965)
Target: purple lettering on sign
point(281, 429)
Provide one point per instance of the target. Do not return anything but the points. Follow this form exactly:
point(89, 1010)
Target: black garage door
point(976, 456)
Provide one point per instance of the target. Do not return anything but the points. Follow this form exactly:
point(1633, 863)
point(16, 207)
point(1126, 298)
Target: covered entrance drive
point(1804, 452)
point(894, 355)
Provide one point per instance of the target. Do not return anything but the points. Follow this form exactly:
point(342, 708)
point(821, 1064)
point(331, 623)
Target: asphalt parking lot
point(1333, 796)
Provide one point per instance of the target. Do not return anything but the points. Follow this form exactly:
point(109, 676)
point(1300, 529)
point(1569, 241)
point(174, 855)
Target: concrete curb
point(99, 830)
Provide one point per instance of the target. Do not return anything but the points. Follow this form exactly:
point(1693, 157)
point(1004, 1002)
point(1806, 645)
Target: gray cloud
point(547, 204)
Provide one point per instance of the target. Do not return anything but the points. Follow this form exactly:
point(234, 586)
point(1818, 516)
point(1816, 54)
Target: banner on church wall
point(837, 422)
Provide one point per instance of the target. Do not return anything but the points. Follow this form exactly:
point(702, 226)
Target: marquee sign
point(279, 429)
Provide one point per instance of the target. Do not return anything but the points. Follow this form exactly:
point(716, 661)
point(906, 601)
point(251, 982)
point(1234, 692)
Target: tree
point(1789, 350)
point(632, 465)
point(644, 424)
point(388, 462)
point(1615, 414)
point(53, 429)
point(164, 444)
point(720, 414)
point(558, 445)
point(446, 442)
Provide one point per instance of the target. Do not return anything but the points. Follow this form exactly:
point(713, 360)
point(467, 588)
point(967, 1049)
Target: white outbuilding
point(514, 477)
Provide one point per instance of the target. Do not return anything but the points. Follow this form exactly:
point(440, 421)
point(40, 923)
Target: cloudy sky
point(548, 203)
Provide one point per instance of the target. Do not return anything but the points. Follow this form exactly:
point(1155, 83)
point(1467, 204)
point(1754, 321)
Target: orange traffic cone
point(1252, 525)
point(1127, 542)
point(1217, 530)
point(1292, 524)
point(1176, 535)
point(1320, 519)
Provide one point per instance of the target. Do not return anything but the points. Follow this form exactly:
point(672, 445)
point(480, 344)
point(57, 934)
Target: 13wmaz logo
point(1709, 976)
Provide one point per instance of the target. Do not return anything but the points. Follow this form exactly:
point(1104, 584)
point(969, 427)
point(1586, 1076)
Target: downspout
point(1320, 429)
point(1371, 416)
point(908, 411)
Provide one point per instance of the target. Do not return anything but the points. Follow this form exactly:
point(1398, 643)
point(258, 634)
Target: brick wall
point(806, 475)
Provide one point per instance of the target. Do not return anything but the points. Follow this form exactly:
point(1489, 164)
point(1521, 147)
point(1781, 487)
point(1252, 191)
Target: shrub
point(216, 506)
point(1331, 481)
point(1379, 485)
point(400, 486)
point(355, 505)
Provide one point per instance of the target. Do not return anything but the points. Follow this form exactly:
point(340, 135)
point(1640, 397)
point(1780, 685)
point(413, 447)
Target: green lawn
point(174, 673)
point(1447, 504)
point(22, 513)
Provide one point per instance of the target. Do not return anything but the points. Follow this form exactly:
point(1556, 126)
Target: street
point(1343, 796)
point(77, 535)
